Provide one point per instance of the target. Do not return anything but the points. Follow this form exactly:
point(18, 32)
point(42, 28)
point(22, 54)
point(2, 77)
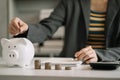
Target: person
point(92, 29)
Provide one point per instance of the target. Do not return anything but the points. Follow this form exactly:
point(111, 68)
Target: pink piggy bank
point(17, 51)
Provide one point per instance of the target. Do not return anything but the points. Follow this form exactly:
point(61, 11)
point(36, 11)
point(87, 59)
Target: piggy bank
point(17, 51)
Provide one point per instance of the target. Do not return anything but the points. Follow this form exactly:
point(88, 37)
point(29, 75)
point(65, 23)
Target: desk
point(81, 72)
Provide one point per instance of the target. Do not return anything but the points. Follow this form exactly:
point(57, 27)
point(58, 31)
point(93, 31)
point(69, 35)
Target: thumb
point(23, 26)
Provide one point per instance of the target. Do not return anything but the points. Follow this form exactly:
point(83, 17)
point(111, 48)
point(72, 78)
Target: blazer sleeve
point(47, 27)
point(110, 54)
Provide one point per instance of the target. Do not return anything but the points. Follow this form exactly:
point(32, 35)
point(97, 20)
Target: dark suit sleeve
point(113, 52)
point(110, 54)
point(47, 27)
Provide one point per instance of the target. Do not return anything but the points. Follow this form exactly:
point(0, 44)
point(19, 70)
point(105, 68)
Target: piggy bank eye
point(8, 46)
point(14, 46)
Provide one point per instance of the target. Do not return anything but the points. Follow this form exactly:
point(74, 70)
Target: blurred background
point(31, 11)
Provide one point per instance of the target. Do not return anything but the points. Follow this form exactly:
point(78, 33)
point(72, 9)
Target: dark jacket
point(74, 15)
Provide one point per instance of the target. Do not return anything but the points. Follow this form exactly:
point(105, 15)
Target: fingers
point(86, 54)
point(17, 26)
point(13, 30)
point(23, 26)
point(83, 52)
point(91, 60)
point(13, 27)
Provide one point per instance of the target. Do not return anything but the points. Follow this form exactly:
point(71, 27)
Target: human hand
point(17, 26)
point(87, 54)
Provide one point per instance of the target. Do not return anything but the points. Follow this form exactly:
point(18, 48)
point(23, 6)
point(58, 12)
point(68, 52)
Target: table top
point(78, 71)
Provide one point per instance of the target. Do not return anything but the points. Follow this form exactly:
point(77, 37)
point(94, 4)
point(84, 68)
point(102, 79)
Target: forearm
point(38, 33)
point(109, 54)
point(47, 27)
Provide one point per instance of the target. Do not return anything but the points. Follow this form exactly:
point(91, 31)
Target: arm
point(45, 29)
point(88, 54)
point(110, 54)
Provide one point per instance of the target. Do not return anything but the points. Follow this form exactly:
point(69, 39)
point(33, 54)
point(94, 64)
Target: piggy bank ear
point(23, 41)
point(4, 41)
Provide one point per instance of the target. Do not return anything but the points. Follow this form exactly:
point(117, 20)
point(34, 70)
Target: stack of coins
point(37, 64)
point(47, 66)
point(67, 68)
point(58, 67)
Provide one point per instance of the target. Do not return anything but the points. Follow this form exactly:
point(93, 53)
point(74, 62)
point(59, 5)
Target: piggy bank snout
point(13, 55)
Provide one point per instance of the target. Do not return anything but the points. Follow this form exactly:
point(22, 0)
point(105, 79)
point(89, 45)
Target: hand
point(17, 26)
point(87, 55)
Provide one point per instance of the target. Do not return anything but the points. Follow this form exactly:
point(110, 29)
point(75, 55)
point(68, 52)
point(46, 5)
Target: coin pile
point(37, 64)
point(47, 66)
point(58, 67)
